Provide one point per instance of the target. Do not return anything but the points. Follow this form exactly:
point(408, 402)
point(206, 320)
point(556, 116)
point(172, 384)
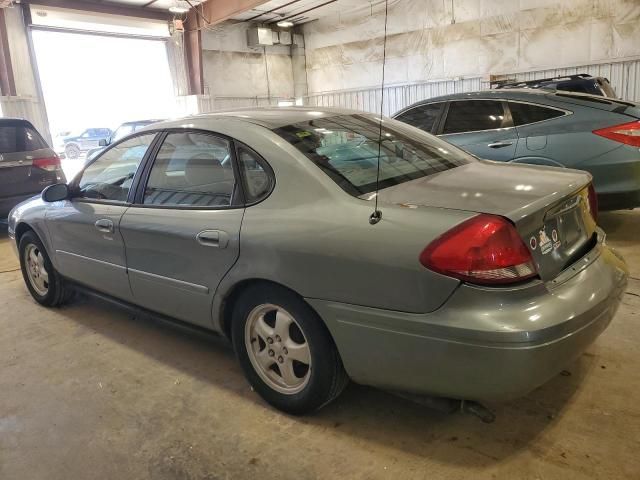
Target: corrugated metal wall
point(624, 77)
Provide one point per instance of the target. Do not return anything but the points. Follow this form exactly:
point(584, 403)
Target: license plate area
point(568, 232)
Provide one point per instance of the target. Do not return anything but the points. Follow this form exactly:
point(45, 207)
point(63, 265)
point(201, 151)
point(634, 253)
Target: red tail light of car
point(627, 133)
point(485, 249)
point(49, 164)
point(593, 202)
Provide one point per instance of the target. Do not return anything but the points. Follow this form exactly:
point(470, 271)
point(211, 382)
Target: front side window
point(423, 117)
point(474, 115)
point(346, 148)
point(111, 175)
point(523, 113)
point(122, 131)
point(191, 170)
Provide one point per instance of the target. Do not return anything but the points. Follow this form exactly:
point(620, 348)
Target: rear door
point(20, 146)
point(534, 125)
point(481, 127)
point(85, 230)
point(182, 234)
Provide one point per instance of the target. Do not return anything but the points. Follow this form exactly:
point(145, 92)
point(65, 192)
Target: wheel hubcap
point(278, 350)
point(37, 273)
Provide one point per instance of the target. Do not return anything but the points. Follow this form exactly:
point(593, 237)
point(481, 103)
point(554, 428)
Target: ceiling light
point(285, 24)
point(178, 9)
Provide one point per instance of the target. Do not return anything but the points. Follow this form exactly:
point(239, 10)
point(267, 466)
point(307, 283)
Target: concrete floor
point(89, 391)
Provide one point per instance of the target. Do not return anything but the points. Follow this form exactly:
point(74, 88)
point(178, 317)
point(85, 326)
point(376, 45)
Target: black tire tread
point(59, 290)
point(338, 378)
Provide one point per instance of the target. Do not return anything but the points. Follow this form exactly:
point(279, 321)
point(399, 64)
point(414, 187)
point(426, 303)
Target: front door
point(85, 230)
point(182, 235)
point(481, 127)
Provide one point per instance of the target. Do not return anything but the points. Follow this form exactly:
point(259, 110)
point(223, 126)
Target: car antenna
point(376, 216)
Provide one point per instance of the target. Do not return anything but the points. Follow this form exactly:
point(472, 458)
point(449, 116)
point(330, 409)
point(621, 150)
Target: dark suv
point(582, 83)
point(90, 138)
point(27, 164)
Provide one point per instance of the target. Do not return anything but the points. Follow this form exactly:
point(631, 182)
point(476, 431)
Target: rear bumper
point(483, 344)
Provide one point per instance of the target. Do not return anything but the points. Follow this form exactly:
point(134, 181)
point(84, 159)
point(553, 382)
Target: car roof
point(136, 122)
point(539, 95)
point(268, 117)
point(14, 120)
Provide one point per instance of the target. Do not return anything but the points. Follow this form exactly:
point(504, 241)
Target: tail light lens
point(593, 202)
point(486, 249)
point(627, 133)
point(49, 164)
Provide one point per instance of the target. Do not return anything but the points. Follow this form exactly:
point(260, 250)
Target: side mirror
point(103, 142)
point(55, 193)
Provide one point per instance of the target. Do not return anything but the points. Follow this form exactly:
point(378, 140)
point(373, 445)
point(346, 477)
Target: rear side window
point(424, 117)
point(524, 113)
point(20, 138)
point(474, 115)
point(257, 180)
point(191, 170)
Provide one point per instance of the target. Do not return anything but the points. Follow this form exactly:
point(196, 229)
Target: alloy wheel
point(278, 349)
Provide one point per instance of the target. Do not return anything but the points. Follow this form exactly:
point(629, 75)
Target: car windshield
point(346, 147)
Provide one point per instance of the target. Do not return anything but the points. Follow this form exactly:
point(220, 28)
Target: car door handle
point(104, 225)
point(213, 238)
point(499, 144)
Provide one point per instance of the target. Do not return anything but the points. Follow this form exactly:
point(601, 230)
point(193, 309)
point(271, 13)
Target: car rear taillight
point(485, 249)
point(627, 133)
point(593, 202)
point(49, 164)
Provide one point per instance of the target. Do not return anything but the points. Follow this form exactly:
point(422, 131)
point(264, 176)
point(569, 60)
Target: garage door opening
point(93, 83)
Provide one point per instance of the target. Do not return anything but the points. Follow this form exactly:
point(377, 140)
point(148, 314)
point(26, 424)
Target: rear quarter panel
point(314, 238)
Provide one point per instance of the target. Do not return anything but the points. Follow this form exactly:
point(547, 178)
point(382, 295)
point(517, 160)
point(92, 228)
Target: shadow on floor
point(365, 413)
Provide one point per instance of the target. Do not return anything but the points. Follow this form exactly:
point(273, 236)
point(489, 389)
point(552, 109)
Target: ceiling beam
point(216, 11)
point(105, 7)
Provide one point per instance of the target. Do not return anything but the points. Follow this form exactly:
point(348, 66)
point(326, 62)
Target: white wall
point(232, 69)
point(444, 39)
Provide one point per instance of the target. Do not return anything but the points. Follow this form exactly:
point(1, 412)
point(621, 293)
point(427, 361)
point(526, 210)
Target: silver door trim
point(180, 284)
point(102, 262)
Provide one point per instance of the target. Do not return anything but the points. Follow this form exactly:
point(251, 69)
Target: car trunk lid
point(548, 206)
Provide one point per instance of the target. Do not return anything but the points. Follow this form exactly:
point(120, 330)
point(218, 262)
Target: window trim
point(565, 112)
point(436, 123)
point(243, 183)
point(237, 197)
point(74, 184)
point(505, 108)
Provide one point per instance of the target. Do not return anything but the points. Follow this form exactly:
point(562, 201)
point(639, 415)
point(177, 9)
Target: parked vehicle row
point(478, 280)
point(541, 127)
point(75, 145)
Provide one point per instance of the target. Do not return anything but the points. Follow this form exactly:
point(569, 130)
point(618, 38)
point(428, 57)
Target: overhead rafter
point(212, 12)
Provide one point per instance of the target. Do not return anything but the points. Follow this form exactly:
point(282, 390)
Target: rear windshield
point(346, 148)
point(19, 137)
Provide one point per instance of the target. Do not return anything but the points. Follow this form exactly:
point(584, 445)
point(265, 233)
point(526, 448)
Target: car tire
point(271, 329)
point(72, 152)
point(44, 283)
